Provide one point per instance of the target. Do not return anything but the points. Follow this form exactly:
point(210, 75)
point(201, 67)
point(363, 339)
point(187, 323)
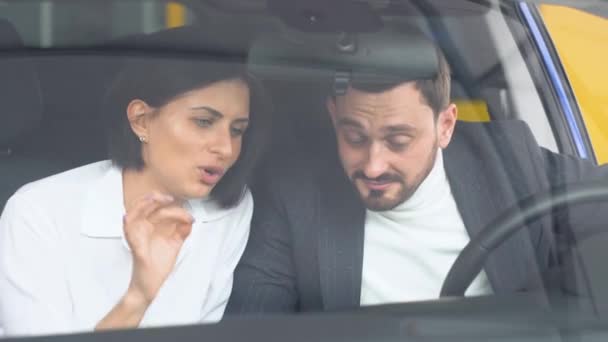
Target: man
point(384, 222)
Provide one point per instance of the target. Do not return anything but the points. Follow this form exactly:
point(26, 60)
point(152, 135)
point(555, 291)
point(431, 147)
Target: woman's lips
point(210, 175)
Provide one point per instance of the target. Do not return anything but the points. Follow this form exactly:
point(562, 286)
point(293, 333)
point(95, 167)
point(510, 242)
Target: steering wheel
point(469, 262)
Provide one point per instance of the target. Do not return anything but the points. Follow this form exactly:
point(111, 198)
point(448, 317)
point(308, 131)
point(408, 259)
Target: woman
point(151, 237)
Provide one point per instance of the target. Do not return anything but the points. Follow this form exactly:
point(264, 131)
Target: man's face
point(388, 141)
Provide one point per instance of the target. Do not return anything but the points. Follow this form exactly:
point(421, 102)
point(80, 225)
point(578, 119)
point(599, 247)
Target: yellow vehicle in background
point(577, 38)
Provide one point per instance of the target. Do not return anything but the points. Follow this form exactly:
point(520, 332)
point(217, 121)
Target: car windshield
point(305, 170)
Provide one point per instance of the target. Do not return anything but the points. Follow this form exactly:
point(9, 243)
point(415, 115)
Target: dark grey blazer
point(305, 250)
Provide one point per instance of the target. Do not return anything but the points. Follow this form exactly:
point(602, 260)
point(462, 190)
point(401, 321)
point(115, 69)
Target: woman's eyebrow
point(242, 120)
point(211, 111)
point(218, 115)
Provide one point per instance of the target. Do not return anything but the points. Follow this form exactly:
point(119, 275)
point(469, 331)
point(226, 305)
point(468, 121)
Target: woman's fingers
point(170, 219)
point(156, 214)
point(173, 214)
point(147, 205)
point(183, 230)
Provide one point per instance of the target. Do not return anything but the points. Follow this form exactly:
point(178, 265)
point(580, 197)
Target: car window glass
point(74, 23)
point(54, 87)
point(575, 34)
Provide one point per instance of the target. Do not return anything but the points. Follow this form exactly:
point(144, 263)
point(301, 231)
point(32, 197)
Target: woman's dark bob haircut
point(159, 80)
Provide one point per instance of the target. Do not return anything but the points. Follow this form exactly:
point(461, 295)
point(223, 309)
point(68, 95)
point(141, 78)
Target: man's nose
point(376, 162)
point(221, 144)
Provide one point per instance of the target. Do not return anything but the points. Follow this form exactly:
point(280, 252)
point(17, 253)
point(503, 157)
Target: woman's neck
point(138, 183)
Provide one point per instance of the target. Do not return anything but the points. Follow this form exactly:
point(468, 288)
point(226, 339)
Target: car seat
point(21, 105)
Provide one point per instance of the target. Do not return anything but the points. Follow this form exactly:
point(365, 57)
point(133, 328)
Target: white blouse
point(65, 263)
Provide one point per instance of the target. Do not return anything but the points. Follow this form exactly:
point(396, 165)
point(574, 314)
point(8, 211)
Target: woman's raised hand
point(155, 229)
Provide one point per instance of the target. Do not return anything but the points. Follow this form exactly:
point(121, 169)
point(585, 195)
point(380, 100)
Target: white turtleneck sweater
point(409, 250)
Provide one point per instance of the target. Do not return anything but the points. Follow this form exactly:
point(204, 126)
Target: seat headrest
point(20, 99)
point(9, 38)
point(380, 56)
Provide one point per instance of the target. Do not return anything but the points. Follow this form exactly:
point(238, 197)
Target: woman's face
point(192, 141)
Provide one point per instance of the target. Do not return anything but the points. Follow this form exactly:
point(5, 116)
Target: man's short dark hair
point(435, 91)
point(157, 82)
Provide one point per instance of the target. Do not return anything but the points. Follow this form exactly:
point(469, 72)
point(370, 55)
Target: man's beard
point(376, 200)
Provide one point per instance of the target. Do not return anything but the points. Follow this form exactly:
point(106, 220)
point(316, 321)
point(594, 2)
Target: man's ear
point(137, 114)
point(330, 103)
point(446, 122)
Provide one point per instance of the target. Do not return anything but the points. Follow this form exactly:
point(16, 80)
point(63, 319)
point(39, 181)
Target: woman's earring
point(142, 139)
